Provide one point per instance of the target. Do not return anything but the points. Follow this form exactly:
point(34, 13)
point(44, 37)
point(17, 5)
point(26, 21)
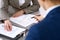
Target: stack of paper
point(24, 20)
point(12, 34)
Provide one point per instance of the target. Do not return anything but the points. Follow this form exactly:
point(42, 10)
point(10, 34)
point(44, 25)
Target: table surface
point(3, 38)
point(22, 38)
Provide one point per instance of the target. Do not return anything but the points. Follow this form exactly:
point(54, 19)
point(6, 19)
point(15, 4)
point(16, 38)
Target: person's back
point(48, 28)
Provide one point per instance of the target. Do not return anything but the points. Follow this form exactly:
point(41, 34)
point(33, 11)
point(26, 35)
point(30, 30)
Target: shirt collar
point(51, 8)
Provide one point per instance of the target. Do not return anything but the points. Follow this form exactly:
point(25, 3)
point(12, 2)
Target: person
point(15, 8)
point(41, 15)
point(49, 27)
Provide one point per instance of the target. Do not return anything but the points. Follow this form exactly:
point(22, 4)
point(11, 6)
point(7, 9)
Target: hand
point(19, 13)
point(7, 25)
point(38, 18)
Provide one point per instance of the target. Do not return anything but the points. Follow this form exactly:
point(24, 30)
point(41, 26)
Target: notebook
point(24, 20)
point(12, 34)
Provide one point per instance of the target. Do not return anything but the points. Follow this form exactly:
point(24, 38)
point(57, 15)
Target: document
point(12, 34)
point(24, 20)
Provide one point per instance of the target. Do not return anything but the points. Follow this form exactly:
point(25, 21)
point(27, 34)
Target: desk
point(4, 38)
point(22, 38)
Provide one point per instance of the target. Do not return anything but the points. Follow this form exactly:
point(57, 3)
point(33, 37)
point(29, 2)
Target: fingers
point(39, 18)
point(5, 26)
point(8, 26)
point(36, 18)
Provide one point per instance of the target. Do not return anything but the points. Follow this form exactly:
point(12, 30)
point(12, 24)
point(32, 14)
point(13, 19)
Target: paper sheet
point(15, 31)
point(1, 39)
point(24, 20)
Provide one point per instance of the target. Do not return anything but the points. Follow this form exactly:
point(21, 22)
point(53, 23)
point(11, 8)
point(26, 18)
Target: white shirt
point(21, 2)
point(42, 11)
point(1, 3)
point(51, 8)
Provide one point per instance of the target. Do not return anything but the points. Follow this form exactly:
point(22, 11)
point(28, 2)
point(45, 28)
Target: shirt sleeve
point(32, 8)
point(4, 10)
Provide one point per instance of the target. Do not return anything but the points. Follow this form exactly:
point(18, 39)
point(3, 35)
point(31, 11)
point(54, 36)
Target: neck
point(50, 5)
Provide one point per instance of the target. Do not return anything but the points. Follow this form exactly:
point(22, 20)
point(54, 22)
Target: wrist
point(6, 20)
point(24, 12)
point(3, 21)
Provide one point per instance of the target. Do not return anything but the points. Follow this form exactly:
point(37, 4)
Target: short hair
point(55, 1)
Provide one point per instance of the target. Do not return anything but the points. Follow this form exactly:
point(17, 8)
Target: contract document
point(24, 20)
point(12, 34)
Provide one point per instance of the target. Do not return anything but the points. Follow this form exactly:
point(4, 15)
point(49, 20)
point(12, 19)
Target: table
point(23, 37)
